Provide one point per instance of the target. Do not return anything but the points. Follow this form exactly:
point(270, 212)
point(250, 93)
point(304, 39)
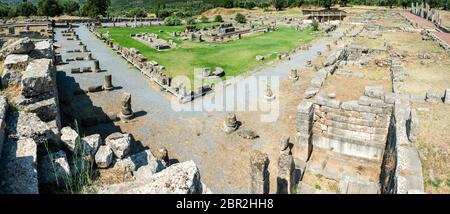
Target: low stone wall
point(402, 169)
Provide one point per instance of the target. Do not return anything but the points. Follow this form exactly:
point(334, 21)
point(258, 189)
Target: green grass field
point(235, 57)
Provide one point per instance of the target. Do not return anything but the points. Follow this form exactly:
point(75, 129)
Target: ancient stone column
point(96, 66)
point(108, 86)
point(84, 48)
point(230, 124)
point(259, 173)
point(126, 112)
point(269, 93)
point(308, 63)
point(293, 75)
point(89, 56)
point(286, 168)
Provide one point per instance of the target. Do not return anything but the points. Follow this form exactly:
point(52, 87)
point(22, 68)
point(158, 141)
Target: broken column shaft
point(259, 163)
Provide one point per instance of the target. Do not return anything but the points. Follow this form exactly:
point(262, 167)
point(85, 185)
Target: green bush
point(240, 18)
point(172, 21)
point(190, 21)
point(218, 18)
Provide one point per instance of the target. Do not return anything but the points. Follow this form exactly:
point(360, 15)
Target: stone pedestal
point(293, 75)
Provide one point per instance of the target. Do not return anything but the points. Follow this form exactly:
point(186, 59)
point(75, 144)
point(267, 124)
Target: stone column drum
point(259, 173)
point(108, 86)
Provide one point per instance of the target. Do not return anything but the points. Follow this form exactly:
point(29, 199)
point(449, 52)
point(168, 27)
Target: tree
point(49, 8)
point(4, 10)
point(240, 18)
point(218, 18)
point(190, 21)
point(343, 3)
point(70, 7)
point(25, 9)
point(95, 8)
point(204, 19)
point(228, 4)
point(278, 4)
point(172, 21)
point(136, 12)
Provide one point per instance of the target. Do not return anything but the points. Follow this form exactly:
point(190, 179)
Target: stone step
point(353, 127)
point(378, 122)
point(344, 131)
point(371, 150)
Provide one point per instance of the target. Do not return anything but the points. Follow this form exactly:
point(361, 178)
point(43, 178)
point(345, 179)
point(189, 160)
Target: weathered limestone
point(18, 174)
point(230, 124)
point(259, 174)
point(179, 178)
point(376, 91)
point(247, 134)
point(16, 62)
point(447, 96)
point(119, 143)
point(104, 156)
point(70, 138)
point(36, 79)
point(108, 86)
point(305, 113)
point(412, 126)
point(293, 75)
point(286, 168)
point(126, 112)
point(163, 155)
point(20, 46)
point(135, 161)
point(3, 109)
point(42, 49)
point(89, 144)
point(10, 78)
point(54, 168)
point(433, 97)
point(22, 125)
point(96, 66)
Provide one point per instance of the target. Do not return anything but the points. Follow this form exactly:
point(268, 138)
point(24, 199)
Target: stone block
point(104, 156)
point(119, 143)
point(179, 178)
point(375, 91)
point(46, 110)
point(19, 46)
point(54, 168)
point(89, 144)
point(447, 96)
point(42, 49)
point(10, 78)
point(368, 101)
point(18, 174)
point(433, 97)
point(36, 78)
point(21, 125)
point(16, 62)
point(70, 138)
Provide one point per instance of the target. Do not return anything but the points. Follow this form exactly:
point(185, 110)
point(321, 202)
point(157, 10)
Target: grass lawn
point(234, 57)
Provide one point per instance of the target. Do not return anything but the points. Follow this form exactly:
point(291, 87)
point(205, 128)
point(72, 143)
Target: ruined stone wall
point(354, 128)
point(402, 169)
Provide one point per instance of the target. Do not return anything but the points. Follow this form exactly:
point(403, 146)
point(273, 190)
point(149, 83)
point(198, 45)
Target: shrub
point(240, 18)
point(218, 18)
point(204, 19)
point(315, 25)
point(172, 21)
